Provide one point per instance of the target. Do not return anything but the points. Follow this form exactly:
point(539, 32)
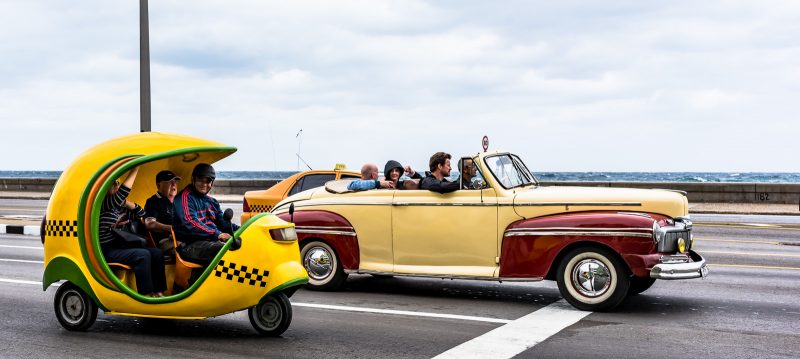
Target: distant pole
point(144, 67)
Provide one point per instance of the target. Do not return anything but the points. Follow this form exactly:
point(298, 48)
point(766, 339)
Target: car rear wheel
point(639, 285)
point(272, 316)
point(592, 279)
point(324, 269)
point(75, 310)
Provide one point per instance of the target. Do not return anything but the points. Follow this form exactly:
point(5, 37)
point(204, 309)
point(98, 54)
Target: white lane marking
point(401, 312)
point(759, 225)
point(20, 247)
point(353, 309)
point(519, 335)
point(19, 281)
point(20, 261)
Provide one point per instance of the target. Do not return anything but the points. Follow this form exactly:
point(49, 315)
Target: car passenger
point(159, 212)
point(369, 179)
point(198, 220)
point(469, 171)
point(435, 180)
point(147, 263)
point(394, 170)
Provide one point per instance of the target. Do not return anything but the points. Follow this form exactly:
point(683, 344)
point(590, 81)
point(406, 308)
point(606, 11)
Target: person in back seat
point(147, 263)
point(369, 179)
point(159, 212)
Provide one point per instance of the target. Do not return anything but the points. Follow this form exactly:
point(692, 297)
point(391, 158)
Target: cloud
point(625, 85)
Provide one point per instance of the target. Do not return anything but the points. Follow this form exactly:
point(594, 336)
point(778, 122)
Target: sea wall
point(730, 192)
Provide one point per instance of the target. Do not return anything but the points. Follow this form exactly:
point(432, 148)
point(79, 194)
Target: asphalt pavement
point(748, 307)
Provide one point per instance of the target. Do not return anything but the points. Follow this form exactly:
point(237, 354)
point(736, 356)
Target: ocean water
point(760, 177)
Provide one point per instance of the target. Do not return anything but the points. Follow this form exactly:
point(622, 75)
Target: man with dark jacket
point(435, 180)
point(198, 220)
point(159, 211)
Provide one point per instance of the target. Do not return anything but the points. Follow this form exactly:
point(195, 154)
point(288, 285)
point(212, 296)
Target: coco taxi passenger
point(147, 263)
point(159, 211)
point(199, 222)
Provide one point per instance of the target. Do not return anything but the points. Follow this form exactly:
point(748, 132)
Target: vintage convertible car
point(599, 244)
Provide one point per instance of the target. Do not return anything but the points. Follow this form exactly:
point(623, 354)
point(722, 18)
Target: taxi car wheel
point(593, 279)
point(639, 285)
point(75, 310)
point(324, 268)
point(272, 316)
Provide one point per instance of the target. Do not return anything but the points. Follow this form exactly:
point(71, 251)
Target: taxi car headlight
point(286, 234)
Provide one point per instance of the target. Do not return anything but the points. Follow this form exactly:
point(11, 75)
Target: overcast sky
point(568, 85)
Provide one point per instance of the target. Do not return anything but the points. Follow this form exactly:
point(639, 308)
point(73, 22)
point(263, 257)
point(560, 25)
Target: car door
point(453, 234)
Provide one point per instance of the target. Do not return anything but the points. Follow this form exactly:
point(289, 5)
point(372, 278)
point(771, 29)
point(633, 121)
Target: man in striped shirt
point(148, 263)
point(198, 220)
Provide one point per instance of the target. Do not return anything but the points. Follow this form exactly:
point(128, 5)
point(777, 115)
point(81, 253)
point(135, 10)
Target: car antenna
point(304, 161)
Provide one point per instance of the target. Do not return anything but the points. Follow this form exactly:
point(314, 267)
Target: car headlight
point(658, 234)
point(286, 234)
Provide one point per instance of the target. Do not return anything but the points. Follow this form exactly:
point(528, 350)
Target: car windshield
point(510, 171)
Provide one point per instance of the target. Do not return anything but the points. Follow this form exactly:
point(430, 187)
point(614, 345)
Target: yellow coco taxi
point(256, 269)
point(256, 202)
point(599, 244)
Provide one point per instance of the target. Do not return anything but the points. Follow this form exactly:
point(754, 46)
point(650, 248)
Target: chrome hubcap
point(73, 307)
point(318, 263)
point(591, 277)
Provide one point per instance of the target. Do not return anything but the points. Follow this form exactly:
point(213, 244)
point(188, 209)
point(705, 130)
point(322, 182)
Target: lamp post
point(144, 68)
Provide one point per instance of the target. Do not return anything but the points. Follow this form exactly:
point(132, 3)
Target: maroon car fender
point(531, 247)
point(332, 229)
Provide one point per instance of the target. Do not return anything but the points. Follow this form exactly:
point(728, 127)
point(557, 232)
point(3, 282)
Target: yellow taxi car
point(256, 202)
point(600, 244)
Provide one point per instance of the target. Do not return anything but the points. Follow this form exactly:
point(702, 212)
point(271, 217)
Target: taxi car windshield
point(510, 171)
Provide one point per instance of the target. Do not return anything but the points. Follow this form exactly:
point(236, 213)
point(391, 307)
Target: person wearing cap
point(198, 221)
point(159, 212)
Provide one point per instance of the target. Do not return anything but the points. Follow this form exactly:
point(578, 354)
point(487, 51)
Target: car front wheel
point(324, 269)
point(272, 316)
point(75, 310)
point(592, 279)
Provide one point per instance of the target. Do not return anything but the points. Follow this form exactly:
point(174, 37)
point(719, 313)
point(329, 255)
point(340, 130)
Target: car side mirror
point(227, 215)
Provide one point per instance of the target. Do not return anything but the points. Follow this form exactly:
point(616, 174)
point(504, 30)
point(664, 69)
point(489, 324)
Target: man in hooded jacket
point(394, 170)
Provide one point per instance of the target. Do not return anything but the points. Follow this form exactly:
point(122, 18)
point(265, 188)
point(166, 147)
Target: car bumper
point(670, 268)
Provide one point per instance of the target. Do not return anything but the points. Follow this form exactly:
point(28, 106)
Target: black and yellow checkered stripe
point(260, 208)
point(61, 228)
point(242, 274)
